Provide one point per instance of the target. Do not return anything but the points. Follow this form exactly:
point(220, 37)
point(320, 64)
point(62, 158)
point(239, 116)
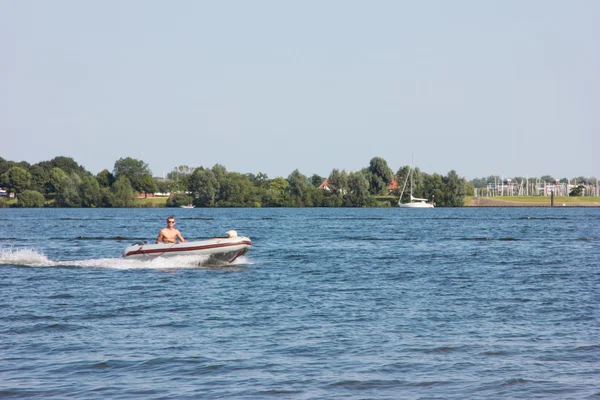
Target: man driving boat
point(170, 234)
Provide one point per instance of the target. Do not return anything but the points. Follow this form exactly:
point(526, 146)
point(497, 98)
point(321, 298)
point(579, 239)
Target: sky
point(508, 88)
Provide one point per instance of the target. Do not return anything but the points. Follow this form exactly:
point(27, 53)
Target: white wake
point(35, 258)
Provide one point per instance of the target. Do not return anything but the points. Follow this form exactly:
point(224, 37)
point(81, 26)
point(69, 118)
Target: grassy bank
point(531, 201)
point(151, 202)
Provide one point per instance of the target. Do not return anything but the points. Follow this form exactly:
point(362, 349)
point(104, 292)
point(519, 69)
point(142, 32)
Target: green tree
point(90, 192)
point(136, 171)
point(123, 194)
point(469, 189)
point(259, 180)
point(359, 194)
point(105, 178)
point(277, 195)
point(338, 182)
point(420, 190)
point(479, 183)
point(204, 186)
point(577, 191)
point(236, 190)
point(316, 180)
point(4, 166)
point(67, 164)
point(148, 184)
point(57, 176)
point(402, 176)
point(16, 180)
point(180, 177)
point(220, 171)
point(164, 186)
point(300, 189)
point(454, 190)
point(68, 194)
point(179, 199)
point(39, 178)
point(435, 188)
point(30, 199)
point(380, 175)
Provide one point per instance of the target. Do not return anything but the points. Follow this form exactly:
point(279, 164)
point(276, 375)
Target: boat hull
point(415, 205)
point(224, 250)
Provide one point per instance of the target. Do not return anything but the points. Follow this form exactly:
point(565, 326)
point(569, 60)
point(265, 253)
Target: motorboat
point(222, 250)
point(188, 206)
point(414, 202)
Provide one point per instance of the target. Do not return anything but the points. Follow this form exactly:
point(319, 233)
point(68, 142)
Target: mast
point(404, 187)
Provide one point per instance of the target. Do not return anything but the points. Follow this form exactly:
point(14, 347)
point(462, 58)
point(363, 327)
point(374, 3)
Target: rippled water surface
point(329, 303)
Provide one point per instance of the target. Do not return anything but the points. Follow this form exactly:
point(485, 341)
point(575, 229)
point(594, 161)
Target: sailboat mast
point(404, 186)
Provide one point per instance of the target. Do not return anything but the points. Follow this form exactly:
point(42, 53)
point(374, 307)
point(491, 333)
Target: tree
point(68, 195)
point(358, 187)
point(454, 190)
point(148, 184)
point(299, 189)
point(380, 175)
point(105, 178)
point(469, 189)
point(420, 190)
point(136, 171)
point(277, 195)
point(57, 176)
point(90, 192)
point(163, 186)
point(178, 200)
point(16, 180)
point(204, 185)
point(67, 164)
point(316, 180)
point(123, 194)
point(220, 171)
point(260, 180)
point(338, 182)
point(577, 191)
point(39, 178)
point(402, 176)
point(236, 190)
point(4, 166)
point(30, 199)
point(435, 188)
point(180, 177)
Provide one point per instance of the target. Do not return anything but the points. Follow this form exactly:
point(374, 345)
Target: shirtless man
point(170, 234)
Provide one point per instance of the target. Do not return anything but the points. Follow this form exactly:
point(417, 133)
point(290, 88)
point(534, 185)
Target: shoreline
point(493, 202)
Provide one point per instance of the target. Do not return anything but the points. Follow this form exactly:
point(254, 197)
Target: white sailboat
point(414, 202)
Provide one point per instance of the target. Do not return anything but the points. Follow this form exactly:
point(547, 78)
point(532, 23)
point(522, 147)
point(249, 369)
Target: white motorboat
point(224, 250)
point(414, 202)
point(188, 206)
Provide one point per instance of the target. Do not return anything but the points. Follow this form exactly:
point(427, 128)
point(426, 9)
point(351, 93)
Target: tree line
point(71, 185)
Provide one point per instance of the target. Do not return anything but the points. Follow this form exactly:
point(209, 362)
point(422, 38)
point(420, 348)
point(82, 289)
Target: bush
point(4, 203)
point(30, 199)
point(179, 199)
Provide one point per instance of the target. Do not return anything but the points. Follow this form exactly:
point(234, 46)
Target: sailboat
point(415, 202)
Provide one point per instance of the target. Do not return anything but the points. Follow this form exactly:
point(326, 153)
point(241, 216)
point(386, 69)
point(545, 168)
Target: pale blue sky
point(508, 88)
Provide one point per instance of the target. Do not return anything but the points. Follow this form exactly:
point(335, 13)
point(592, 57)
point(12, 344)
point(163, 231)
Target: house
point(325, 186)
point(392, 186)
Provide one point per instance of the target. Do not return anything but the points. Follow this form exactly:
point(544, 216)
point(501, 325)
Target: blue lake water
point(475, 303)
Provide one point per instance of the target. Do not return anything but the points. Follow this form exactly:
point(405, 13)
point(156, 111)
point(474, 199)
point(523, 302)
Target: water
point(329, 303)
